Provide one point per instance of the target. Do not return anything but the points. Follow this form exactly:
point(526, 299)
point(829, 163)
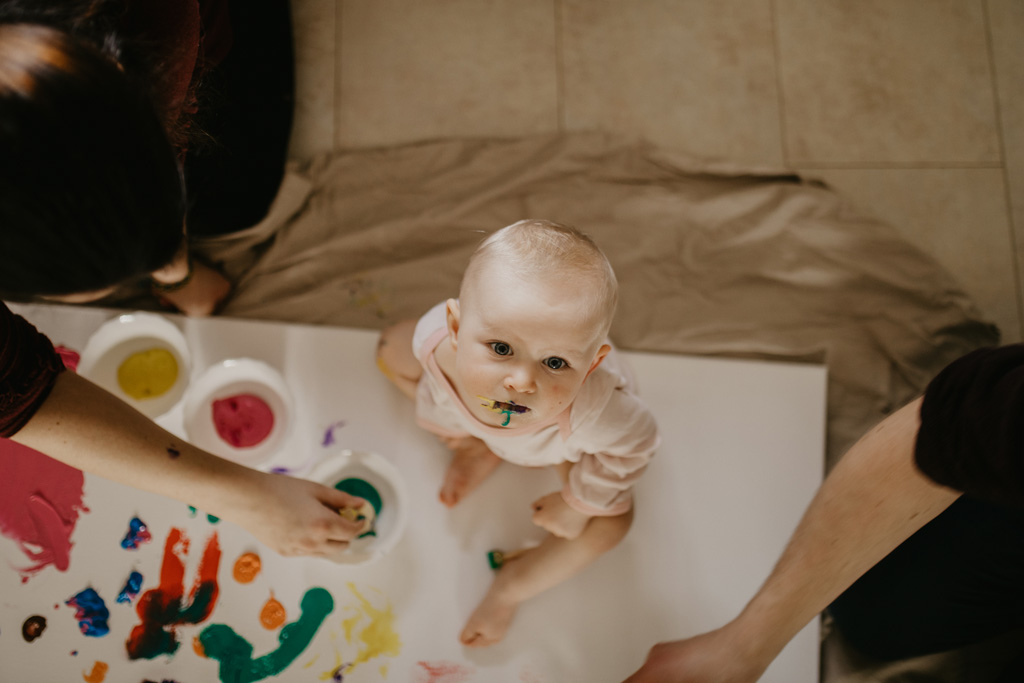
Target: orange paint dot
point(99, 672)
point(272, 615)
point(247, 567)
point(197, 646)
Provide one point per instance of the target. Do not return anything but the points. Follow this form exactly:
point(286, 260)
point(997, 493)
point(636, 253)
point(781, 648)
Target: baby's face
point(523, 344)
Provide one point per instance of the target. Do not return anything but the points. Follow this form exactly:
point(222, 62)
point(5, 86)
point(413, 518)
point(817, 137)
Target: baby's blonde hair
point(534, 249)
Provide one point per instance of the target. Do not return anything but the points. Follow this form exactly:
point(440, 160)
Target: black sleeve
point(972, 426)
point(28, 369)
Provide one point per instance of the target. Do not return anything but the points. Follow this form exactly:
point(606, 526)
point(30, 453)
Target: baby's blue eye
point(555, 363)
point(501, 348)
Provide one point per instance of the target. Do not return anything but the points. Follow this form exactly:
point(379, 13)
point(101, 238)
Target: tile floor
point(914, 109)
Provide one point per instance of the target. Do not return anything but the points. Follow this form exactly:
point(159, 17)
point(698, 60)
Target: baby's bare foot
point(489, 621)
point(472, 462)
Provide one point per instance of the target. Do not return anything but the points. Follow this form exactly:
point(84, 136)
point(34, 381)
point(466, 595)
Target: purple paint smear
point(328, 439)
point(136, 536)
point(91, 612)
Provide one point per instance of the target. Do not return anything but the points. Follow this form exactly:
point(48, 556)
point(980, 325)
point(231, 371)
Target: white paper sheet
point(742, 456)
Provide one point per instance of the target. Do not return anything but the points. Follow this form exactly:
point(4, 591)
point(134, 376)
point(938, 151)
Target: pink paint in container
point(240, 409)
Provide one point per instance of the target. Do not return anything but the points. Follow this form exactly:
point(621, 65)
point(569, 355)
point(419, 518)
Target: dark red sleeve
point(28, 369)
point(972, 426)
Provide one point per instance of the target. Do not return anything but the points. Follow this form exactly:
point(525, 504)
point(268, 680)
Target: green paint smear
point(234, 652)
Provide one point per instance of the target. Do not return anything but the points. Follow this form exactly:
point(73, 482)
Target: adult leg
point(957, 581)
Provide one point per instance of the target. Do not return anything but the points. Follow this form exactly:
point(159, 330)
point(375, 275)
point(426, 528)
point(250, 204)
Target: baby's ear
point(452, 314)
point(601, 353)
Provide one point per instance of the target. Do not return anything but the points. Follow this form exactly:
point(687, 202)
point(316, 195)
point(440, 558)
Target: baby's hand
point(553, 514)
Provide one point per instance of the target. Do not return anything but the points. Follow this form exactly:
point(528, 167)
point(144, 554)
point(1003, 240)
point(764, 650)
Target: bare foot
point(491, 618)
point(472, 462)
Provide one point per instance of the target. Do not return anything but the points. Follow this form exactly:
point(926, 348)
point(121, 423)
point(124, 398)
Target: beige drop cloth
point(712, 258)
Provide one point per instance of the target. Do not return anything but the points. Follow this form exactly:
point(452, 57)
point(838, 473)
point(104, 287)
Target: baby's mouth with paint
point(507, 408)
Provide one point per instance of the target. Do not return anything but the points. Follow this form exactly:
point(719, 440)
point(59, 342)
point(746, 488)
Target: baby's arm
point(622, 445)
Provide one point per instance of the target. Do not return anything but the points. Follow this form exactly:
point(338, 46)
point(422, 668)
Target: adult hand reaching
point(708, 658)
point(294, 516)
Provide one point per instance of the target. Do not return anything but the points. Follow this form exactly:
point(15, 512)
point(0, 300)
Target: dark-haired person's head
point(90, 188)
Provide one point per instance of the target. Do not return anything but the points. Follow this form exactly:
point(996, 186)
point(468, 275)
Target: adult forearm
point(873, 500)
point(84, 426)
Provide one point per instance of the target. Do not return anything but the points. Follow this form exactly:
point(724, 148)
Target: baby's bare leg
point(396, 359)
point(536, 570)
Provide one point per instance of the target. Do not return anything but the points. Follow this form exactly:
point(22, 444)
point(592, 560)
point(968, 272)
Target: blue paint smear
point(137, 535)
point(131, 588)
point(91, 612)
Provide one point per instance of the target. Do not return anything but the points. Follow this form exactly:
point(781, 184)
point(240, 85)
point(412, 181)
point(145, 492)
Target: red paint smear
point(444, 672)
point(40, 500)
point(161, 609)
point(69, 357)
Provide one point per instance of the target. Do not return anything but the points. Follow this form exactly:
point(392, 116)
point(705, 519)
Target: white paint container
point(230, 378)
point(118, 339)
point(385, 478)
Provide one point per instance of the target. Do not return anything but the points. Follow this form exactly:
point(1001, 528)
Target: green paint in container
point(365, 490)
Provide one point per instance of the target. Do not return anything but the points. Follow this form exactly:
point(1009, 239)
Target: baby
point(519, 368)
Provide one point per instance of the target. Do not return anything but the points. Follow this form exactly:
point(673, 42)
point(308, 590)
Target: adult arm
point(88, 428)
point(872, 501)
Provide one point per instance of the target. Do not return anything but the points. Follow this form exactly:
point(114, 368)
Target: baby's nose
point(520, 380)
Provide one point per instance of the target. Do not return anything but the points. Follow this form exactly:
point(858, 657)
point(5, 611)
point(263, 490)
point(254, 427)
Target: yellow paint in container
point(148, 374)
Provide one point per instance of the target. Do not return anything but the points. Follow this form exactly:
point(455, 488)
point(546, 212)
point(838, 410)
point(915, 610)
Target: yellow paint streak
point(378, 637)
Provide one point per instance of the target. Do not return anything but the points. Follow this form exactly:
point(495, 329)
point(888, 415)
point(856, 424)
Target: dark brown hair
point(90, 188)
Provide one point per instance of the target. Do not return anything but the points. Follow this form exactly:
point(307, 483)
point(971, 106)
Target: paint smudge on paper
point(98, 673)
point(33, 628)
point(41, 501)
point(526, 676)
point(147, 374)
point(338, 675)
point(91, 613)
point(443, 672)
point(373, 627)
point(132, 586)
point(234, 653)
point(136, 535)
point(209, 518)
point(329, 439)
point(242, 421)
point(272, 615)
point(163, 609)
point(247, 567)
point(69, 357)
